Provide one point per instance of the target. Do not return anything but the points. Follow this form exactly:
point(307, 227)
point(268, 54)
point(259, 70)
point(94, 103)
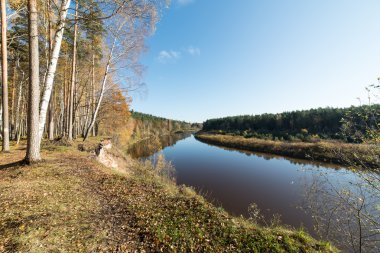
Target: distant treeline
point(145, 116)
point(325, 123)
point(160, 122)
point(146, 125)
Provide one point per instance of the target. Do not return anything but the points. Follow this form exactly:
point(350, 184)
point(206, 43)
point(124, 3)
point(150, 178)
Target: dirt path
point(63, 203)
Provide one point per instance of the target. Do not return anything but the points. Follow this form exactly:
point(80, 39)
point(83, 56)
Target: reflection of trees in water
point(345, 210)
point(154, 144)
point(164, 168)
point(267, 156)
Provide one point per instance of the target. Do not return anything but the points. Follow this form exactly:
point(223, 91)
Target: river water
point(303, 193)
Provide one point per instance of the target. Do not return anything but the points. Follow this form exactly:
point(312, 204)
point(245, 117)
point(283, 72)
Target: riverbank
point(134, 141)
point(363, 155)
point(71, 202)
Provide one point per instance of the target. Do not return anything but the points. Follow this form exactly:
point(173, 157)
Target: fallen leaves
point(71, 203)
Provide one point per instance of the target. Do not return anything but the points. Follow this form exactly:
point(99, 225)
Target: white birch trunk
point(93, 92)
point(103, 87)
point(49, 82)
point(73, 78)
point(17, 116)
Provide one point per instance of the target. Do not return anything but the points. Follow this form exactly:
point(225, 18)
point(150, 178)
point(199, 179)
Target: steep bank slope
point(70, 202)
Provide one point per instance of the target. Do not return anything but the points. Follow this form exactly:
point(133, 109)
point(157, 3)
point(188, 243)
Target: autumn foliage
point(114, 116)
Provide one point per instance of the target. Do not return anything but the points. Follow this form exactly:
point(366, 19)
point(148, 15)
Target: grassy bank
point(325, 151)
point(72, 203)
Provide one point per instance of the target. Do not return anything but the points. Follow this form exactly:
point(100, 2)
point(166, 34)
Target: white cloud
point(171, 56)
point(168, 56)
point(194, 51)
point(185, 2)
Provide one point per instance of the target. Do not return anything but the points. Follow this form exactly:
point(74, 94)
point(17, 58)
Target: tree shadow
point(12, 165)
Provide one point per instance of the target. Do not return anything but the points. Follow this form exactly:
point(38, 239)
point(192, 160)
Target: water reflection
point(150, 146)
point(267, 156)
point(233, 179)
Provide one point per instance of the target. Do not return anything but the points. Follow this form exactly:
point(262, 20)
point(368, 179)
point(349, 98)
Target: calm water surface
point(234, 179)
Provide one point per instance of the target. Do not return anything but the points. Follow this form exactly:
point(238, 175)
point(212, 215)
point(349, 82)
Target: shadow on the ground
point(11, 165)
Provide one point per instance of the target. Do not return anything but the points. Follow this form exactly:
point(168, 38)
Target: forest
point(306, 125)
point(150, 121)
point(144, 126)
point(68, 67)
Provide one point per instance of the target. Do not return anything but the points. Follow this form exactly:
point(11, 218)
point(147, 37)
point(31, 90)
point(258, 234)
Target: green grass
point(71, 203)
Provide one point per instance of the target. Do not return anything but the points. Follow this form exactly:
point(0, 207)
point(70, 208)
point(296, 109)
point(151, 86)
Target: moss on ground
point(70, 202)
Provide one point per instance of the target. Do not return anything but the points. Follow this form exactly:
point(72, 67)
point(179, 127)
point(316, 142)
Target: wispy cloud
point(184, 2)
point(168, 56)
point(171, 56)
point(193, 51)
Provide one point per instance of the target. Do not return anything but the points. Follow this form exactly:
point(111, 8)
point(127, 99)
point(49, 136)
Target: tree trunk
point(1, 120)
point(93, 90)
point(22, 121)
point(4, 67)
point(13, 108)
point(93, 120)
point(18, 104)
point(17, 113)
point(73, 76)
point(65, 101)
point(88, 110)
point(49, 82)
point(50, 41)
point(33, 145)
point(51, 120)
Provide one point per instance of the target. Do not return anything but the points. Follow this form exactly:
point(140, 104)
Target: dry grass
point(71, 203)
point(357, 155)
point(56, 205)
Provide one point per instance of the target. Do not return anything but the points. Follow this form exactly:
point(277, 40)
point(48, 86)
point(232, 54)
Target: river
point(304, 194)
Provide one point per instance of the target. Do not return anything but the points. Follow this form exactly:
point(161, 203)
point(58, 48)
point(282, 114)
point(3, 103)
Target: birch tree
point(73, 75)
point(49, 81)
point(49, 37)
point(126, 33)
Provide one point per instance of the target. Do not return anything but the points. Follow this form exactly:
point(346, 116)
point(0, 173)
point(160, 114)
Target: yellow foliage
point(114, 117)
point(17, 4)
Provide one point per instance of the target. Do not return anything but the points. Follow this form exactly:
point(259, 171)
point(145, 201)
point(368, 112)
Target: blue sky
point(211, 58)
